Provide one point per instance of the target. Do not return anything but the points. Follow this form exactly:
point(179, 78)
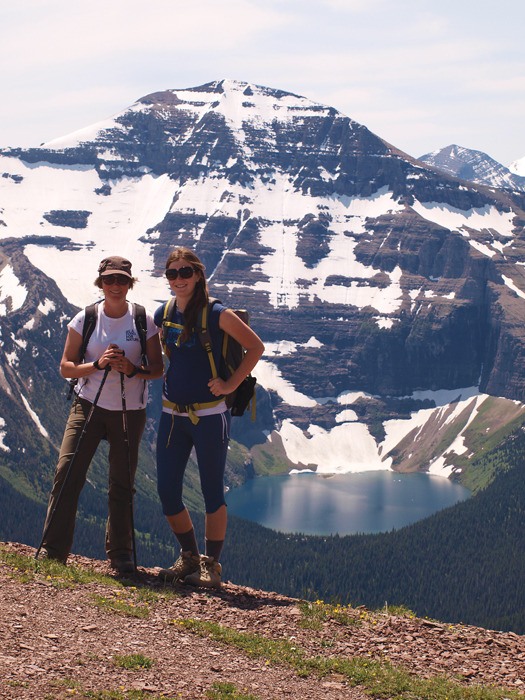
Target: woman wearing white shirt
point(113, 351)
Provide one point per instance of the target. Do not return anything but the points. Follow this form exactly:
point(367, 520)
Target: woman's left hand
point(219, 387)
point(124, 365)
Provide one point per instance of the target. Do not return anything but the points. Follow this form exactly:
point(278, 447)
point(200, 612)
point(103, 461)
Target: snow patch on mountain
point(344, 449)
point(349, 447)
point(346, 416)
point(439, 466)
point(459, 400)
point(269, 376)
point(3, 446)
point(283, 268)
point(46, 307)
point(239, 102)
point(510, 284)
point(288, 347)
point(91, 133)
point(116, 225)
point(12, 292)
point(119, 221)
point(486, 218)
point(518, 167)
point(34, 416)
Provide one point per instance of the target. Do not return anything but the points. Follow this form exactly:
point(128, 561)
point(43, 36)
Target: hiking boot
point(186, 564)
point(44, 554)
point(123, 565)
point(208, 574)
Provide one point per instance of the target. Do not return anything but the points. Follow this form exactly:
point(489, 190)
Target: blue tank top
point(186, 379)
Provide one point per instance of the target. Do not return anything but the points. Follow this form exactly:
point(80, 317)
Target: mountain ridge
point(475, 166)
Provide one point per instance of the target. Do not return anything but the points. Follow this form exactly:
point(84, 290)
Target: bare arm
point(70, 365)
point(232, 324)
point(154, 355)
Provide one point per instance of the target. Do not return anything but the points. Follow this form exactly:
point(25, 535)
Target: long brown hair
point(200, 295)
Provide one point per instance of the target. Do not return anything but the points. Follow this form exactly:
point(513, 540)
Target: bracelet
point(96, 365)
point(133, 372)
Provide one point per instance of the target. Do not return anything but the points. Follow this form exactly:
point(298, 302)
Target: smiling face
point(115, 287)
point(183, 287)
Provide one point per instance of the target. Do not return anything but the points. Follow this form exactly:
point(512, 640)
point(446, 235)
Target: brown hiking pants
point(122, 468)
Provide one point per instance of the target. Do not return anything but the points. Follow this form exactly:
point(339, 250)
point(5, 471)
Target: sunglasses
point(119, 279)
point(184, 272)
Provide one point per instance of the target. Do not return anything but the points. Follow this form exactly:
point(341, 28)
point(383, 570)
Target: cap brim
point(116, 272)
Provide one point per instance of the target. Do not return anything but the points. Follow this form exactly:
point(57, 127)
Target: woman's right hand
point(70, 368)
point(111, 356)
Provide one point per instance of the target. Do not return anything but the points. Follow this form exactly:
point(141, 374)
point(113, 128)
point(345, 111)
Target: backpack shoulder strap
point(139, 315)
point(204, 334)
point(168, 309)
point(167, 314)
point(90, 322)
point(89, 325)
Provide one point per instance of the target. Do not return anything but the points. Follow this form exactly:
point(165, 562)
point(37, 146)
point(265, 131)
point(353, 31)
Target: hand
point(107, 358)
point(116, 359)
point(219, 387)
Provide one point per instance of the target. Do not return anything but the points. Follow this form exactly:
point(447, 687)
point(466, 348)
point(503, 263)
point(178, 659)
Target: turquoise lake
point(320, 504)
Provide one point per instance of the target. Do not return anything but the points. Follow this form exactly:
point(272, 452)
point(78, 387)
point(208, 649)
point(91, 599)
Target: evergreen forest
point(463, 564)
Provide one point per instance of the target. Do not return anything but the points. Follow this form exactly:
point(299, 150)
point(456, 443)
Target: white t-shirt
point(123, 332)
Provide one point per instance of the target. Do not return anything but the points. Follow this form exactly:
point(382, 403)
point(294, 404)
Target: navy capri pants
point(176, 437)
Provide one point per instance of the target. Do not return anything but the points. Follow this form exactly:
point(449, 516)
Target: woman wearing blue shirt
point(195, 415)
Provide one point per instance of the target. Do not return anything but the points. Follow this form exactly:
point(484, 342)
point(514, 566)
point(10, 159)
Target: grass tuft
point(314, 614)
point(133, 662)
point(26, 569)
point(118, 602)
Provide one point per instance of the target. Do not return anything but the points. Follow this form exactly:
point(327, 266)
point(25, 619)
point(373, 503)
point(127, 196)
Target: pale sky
point(421, 74)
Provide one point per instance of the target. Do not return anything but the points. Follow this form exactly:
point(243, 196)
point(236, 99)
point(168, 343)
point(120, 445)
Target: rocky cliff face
point(365, 271)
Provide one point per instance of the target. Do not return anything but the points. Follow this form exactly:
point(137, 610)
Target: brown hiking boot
point(123, 566)
point(186, 564)
point(208, 575)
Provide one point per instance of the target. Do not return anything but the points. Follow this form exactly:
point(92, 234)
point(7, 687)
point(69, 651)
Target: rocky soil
point(62, 641)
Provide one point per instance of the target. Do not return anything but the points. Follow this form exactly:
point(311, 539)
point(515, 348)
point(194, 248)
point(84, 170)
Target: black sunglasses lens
point(119, 279)
point(184, 272)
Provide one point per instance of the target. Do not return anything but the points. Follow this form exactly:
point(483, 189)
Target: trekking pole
point(69, 469)
point(126, 441)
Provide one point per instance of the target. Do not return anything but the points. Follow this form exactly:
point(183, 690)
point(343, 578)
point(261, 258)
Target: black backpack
point(232, 353)
point(90, 322)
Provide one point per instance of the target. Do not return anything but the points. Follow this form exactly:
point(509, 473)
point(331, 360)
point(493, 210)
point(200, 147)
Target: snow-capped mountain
point(381, 287)
point(518, 167)
point(476, 166)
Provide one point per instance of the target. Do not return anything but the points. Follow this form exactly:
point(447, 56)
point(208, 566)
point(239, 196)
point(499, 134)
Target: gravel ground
point(56, 642)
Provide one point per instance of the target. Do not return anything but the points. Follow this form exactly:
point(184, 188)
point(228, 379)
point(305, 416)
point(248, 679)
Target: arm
point(155, 366)
point(70, 366)
point(232, 324)
point(154, 354)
